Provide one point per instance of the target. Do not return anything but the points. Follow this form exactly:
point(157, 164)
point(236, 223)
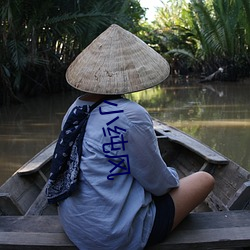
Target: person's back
point(108, 192)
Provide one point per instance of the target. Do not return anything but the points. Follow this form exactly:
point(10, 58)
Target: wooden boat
point(28, 222)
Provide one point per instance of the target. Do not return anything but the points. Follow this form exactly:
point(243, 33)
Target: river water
point(217, 114)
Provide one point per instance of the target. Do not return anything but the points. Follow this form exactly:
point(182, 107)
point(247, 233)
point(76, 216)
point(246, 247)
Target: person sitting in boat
point(112, 187)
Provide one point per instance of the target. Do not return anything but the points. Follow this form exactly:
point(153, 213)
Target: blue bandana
point(66, 159)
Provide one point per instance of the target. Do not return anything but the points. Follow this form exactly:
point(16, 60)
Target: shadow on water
point(217, 114)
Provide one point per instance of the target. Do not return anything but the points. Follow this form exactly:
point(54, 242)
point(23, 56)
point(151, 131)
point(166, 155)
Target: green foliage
point(205, 34)
point(39, 39)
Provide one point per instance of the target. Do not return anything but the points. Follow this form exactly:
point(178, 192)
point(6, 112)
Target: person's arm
point(146, 163)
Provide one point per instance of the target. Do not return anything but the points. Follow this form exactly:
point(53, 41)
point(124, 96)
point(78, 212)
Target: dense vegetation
point(202, 36)
point(39, 39)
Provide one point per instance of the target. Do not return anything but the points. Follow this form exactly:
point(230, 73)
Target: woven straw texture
point(117, 62)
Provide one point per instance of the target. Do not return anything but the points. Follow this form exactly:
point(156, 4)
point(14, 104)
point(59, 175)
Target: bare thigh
point(192, 191)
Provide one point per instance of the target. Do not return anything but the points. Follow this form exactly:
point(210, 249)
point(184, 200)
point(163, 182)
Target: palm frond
point(17, 54)
point(182, 53)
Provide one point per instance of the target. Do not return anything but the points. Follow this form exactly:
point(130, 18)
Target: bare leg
point(192, 191)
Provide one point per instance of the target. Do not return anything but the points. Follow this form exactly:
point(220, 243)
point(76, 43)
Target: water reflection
point(26, 128)
point(218, 115)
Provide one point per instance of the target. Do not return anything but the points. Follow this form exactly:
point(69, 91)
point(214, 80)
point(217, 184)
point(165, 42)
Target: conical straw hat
point(117, 62)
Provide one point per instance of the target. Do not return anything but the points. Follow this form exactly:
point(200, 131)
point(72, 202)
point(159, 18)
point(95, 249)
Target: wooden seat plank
point(230, 237)
point(38, 160)
point(207, 230)
point(187, 141)
point(30, 240)
point(33, 232)
point(210, 230)
point(35, 224)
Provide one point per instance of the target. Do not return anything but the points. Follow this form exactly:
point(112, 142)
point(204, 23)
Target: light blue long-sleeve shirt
point(116, 213)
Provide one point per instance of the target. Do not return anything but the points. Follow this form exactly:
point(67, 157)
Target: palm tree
point(221, 29)
point(40, 38)
point(213, 33)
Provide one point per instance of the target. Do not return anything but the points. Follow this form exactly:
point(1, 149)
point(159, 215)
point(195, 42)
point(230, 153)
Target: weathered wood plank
point(38, 160)
point(207, 239)
point(35, 224)
point(241, 199)
point(8, 205)
point(40, 206)
point(208, 230)
point(33, 232)
point(210, 220)
point(229, 181)
point(30, 240)
point(23, 190)
point(187, 141)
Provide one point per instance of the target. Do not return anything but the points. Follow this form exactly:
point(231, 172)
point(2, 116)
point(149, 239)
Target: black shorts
point(164, 219)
